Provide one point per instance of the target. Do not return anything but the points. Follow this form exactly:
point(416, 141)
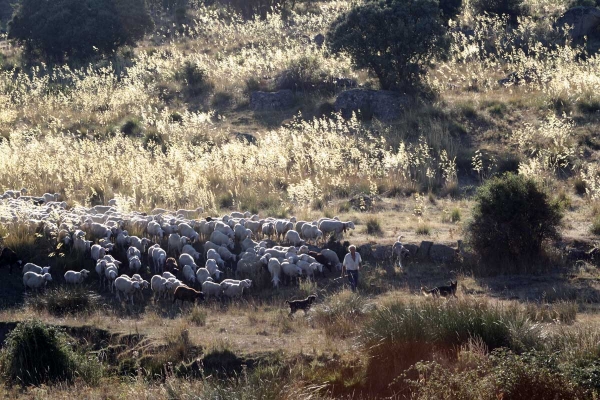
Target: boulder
point(424, 248)
point(412, 248)
point(365, 251)
point(272, 101)
point(442, 253)
point(583, 21)
point(384, 105)
point(382, 253)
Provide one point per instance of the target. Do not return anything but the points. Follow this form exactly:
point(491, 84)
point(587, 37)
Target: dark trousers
point(353, 279)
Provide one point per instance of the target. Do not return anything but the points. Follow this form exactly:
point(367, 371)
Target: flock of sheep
point(182, 255)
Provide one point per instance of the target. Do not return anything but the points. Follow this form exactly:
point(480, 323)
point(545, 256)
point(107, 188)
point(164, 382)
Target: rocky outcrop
point(442, 253)
point(583, 21)
point(272, 101)
point(383, 105)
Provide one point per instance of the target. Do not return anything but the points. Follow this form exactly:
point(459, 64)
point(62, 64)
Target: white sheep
point(235, 289)
point(188, 231)
point(248, 244)
point(221, 239)
point(225, 229)
point(122, 239)
point(159, 257)
point(311, 233)
point(213, 254)
point(175, 244)
point(189, 274)
point(31, 267)
point(333, 258)
point(268, 229)
point(335, 227)
point(189, 249)
point(186, 259)
point(133, 252)
point(127, 286)
point(100, 268)
point(97, 252)
point(282, 226)
point(76, 278)
point(203, 275)
point(35, 281)
point(291, 270)
point(111, 273)
point(226, 255)
point(274, 267)
point(211, 289)
point(254, 226)
point(135, 264)
point(168, 275)
point(140, 244)
point(293, 238)
point(158, 285)
point(155, 231)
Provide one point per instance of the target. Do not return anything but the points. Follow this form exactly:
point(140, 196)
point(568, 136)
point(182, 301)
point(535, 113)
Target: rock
point(245, 137)
point(582, 20)
point(382, 253)
point(272, 101)
point(442, 253)
point(424, 248)
point(384, 105)
point(319, 39)
point(412, 248)
point(365, 251)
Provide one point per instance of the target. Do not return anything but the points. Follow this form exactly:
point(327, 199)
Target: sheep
point(10, 258)
point(188, 249)
point(213, 254)
point(254, 226)
point(158, 285)
point(221, 239)
point(189, 214)
point(292, 237)
point(226, 255)
point(212, 266)
point(268, 229)
point(298, 226)
point(211, 289)
point(155, 231)
point(276, 253)
point(184, 293)
point(248, 265)
point(171, 265)
point(159, 257)
point(97, 252)
point(337, 228)
point(399, 251)
point(111, 272)
point(291, 270)
point(241, 232)
point(30, 267)
point(311, 233)
point(135, 264)
point(100, 268)
point(248, 244)
point(174, 244)
point(207, 228)
point(168, 275)
point(282, 226)
point(127, 286)
point(144, 284)
point(80, 245)
point(133, 252)
point(234, 290)
point(274, 267)
point(140, 244)
point(111, 259)
point(76, 278)
point(189, 274)
point(224, 229)
point(186, 259)
point(332, 257)
point(308, 258)
point(99, 230)
point(203, 275)
point(188, 231)
point(35, 281)
point(235, 282)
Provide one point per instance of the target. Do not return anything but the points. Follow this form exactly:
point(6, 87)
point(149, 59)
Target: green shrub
point(302, 74)
point(511, 219)
point(340, 314)
point(35, 353)
point(65, 300)
point(78, 28)
point(373, 226)
point(455, 215)
point(423, 229)
point(512, 8)
point(394, 39)
point(195, 79)
point(595, 228)
point(131, 127)
point(198, 316)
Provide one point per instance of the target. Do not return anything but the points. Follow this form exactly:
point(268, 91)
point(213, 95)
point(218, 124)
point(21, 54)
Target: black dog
point(303, 305)
point(443, 291)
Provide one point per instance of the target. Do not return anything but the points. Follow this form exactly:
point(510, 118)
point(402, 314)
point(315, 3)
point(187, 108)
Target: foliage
point(78, 29)
point(373, 226)
point(35, 353)
point(340, 313)
point(394, 39)
point(511, 219)
point(512, 8)
point(65, 300)
point(261, 8)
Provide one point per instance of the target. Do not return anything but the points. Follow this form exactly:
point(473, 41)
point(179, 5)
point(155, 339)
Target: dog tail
point(425, 291)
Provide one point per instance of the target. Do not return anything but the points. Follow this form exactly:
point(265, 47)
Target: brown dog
point(303, 305)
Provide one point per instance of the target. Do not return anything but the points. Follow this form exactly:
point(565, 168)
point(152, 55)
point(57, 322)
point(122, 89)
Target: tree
point(395, 39)
point(511, 219)
point(78, 29)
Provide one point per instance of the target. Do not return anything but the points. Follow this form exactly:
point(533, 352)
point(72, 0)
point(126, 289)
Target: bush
point(250, 8)
point(340, 314)
point(394, 39)
point(374, 226)
point(35, 353)
point(78, 29)
point(511, 219)
point(61, 301)
point(595, 228)
point(512, 8)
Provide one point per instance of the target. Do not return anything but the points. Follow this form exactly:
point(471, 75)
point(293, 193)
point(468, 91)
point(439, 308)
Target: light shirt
point(350, 264)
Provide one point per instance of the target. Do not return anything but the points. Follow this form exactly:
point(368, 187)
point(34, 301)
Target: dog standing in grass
point(443, 291)
point(303, 305)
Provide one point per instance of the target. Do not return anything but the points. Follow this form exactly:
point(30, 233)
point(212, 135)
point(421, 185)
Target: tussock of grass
point(341, 314)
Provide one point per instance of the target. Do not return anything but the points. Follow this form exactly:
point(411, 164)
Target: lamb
point(76, 278)
point(125, 285)
point(221, 239)
point(188, 231)
point(189, 274)
point(10, 258)
point(184, 293)
point(97, 252)
point(30, 267)
point(212, 289)
point(35, 281)
point(293, 238)
point(111, 272)
point(235, 290)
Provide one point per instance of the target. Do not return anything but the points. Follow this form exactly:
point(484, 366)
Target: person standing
point(351, 265)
